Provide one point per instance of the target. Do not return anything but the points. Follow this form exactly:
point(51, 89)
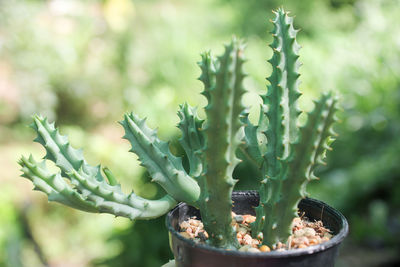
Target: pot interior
point(244, 202)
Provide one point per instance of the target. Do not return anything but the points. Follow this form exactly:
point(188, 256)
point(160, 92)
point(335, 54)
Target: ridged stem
point(90, 195)
point(154, 154)
point(280, 109)
point(223, 89)
point(307, 153)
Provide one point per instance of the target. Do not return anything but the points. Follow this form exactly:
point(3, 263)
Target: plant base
point(188, 253)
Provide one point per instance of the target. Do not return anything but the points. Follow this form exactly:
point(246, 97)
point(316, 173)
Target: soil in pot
point(189, 253)
point(304, 233)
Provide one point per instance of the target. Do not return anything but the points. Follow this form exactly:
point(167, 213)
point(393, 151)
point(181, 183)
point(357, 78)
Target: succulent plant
point(213, 146)
point(292, 152)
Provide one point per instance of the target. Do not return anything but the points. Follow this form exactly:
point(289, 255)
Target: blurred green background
point(85, 63)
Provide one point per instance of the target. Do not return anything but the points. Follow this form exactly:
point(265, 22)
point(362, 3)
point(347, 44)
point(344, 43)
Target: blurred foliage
point(84, 63)
point(363, 174)
point(144, 244)
point(251, 15)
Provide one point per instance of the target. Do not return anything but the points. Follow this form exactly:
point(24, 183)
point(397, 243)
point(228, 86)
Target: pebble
point(264, 248)
point(247, 239)
point(245, 248)
point(327, 235)
point(239, 218)
point(255, 242)
point(253, 250)
point(304, 233)
point(313, 241)
point(309, 231)
point(249, 218)
point(185, 235)
point(242, 230)
point(299, 233)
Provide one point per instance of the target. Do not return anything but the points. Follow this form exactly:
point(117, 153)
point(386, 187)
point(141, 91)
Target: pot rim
point(337, 239)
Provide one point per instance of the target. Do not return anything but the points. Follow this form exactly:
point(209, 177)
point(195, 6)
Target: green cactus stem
point(92, 196)
point(249, 150)
point(306, 154)
point(283, 155)
point(280, 109)
point(223, 89)
point(163, 166)
point(283, 166)
point(192, 139)
point(87, 189)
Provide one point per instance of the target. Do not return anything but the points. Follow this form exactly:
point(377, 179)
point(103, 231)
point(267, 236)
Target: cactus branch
point(192, 139)
point(282, 93)
point(280, 108)
point(249, 150)
point(60, 151)
point(292, 154)
point(163, 166)
point(223, 90)
point(87, 189)
point(53, 185)
point(88, 194)
point(306, 155)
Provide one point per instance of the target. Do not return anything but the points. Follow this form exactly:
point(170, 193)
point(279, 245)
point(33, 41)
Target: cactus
point(213, 146)
point(163, 166)
point(87, 189)
point(192, 139)
point(210, 152)
point(292, 153)
point(223, 89)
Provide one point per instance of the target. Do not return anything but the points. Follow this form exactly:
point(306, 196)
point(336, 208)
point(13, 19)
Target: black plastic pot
point(188, 253)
